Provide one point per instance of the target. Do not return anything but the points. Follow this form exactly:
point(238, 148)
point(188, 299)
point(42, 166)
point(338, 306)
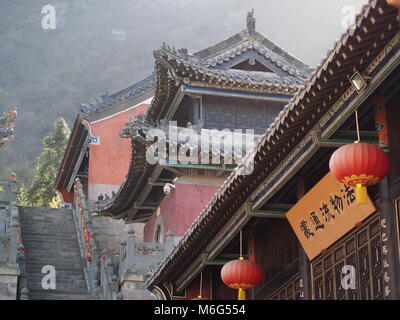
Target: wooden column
point(251, 251)
point(305, 276)
point(388, 225)
point(304, 262)
point(388, 219)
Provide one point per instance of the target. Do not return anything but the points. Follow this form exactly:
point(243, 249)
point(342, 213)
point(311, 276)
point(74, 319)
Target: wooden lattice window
point(361, 249)
point(289, 291)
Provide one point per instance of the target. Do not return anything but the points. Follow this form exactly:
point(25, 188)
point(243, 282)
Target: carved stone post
point(131, 250)
point(114, 286)
point(22, 266)
point(122, 259)
point(13, 243)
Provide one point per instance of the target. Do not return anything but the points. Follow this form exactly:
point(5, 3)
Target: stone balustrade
point(123, 276)
point(12, 255)
point(84, 229)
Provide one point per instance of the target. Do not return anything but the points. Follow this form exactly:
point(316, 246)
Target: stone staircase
point(49, 238)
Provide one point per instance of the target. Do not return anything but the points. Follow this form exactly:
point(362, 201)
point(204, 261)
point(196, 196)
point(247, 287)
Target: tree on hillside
point(41, 193)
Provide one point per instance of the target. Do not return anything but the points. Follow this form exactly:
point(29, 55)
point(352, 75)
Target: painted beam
point(156, 183)
point(369, 137)
point(221, 259)
point(271, 211)
point(267, 214)
point(198, 166)
point(236, 94)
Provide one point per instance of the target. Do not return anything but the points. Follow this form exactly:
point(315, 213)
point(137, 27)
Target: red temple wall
point(109, 161)
point(179, 209)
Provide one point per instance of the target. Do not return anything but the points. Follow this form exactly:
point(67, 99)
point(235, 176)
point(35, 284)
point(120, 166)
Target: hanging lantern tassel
point(242, 294)
point(361, 194)
point(359, 165)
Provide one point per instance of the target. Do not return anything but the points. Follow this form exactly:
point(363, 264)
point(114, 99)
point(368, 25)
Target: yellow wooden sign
point(325, 214)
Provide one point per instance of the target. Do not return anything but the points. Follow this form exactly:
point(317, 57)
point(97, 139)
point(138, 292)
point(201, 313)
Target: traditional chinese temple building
point(291, 216)
point(95, 152)
point(98, 159)
point(238, 84)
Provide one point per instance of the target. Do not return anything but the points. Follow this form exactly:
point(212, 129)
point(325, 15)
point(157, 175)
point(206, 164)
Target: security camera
point(168, 187)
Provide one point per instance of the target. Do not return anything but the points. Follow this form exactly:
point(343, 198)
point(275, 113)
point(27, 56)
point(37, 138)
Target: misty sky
point(306, 29)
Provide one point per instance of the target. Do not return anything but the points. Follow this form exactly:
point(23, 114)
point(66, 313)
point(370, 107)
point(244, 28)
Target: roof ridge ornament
point(251, 23)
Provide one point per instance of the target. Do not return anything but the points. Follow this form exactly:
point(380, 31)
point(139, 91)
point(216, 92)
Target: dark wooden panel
point(276, 248)
point(393, 114)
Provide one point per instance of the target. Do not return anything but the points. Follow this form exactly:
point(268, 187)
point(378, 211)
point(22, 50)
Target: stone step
point(49, 237)
point(57, 264)
point(61, 284)
point(46, 220)
point(49, 228)
point(66, 256)
point(34, 247)
point(54, 259)
point(60, 295)
point(65, 250)
point(59, 272)
point(61, 255)
point(41, 215)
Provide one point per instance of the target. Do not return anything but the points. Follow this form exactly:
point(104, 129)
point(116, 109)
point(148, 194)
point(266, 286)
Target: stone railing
point(108, 279)
point(139, 258)
point(124, 277)
point(84, 229)
point(12, 255)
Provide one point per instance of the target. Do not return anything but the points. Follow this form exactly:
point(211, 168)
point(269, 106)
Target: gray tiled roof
point(130, 92)
point(293, 72)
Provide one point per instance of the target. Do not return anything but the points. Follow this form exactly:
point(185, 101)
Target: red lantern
point(242, 275)
point(394, 3)
point(359, 165)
